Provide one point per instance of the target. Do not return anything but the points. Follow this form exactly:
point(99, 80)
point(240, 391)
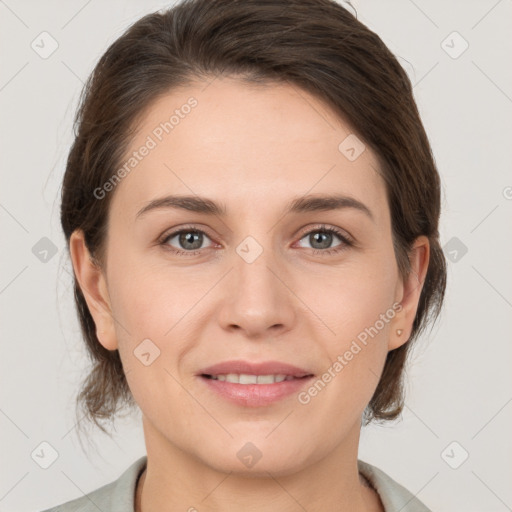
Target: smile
point(244, 378)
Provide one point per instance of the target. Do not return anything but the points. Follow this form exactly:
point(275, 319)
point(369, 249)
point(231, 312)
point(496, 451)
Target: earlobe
point(411, 288)
point(94, 289)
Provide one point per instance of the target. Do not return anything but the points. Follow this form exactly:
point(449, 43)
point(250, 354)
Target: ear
point(94, 288)
point(408, 293)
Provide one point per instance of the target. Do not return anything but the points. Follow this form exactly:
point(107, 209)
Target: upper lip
point(263, 368)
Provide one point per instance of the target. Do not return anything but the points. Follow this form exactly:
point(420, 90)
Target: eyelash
point(347, 242)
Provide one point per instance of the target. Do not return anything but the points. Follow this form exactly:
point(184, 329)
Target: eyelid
point(346, 239)
point(326, 227)
point(168, 234)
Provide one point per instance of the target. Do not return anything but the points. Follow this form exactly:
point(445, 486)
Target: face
point(264, 278)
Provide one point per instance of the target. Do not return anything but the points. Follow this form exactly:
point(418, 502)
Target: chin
point(259, 457)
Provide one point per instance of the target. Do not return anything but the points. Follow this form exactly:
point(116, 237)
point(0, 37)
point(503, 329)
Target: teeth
point(244, 378)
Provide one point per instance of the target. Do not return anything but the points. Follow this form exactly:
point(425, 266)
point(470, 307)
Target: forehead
point(233, 141)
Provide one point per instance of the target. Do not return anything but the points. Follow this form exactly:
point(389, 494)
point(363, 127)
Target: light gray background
point(459, 388)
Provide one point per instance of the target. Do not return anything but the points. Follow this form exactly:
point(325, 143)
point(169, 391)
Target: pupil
point(320, 235)
point(188, 237)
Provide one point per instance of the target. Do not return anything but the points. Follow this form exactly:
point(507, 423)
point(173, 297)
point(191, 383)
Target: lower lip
point(255, 395)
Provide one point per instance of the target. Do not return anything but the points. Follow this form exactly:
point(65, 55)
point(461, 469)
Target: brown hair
point(316, 45)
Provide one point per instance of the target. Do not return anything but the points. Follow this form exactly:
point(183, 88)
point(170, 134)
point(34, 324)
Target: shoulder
point(117, 496)
point(394, 496)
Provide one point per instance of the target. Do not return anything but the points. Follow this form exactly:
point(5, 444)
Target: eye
point(322, 237)
point(189, 241)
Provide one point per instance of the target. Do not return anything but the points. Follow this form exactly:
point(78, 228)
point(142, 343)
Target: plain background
point(460, 384)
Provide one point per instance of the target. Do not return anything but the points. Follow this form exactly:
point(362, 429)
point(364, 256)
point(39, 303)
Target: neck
point(175, 480)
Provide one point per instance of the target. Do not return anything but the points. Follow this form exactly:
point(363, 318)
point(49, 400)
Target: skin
point(252, 148)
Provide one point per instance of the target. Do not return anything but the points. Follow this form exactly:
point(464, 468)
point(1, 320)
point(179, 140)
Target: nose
point(258, 298)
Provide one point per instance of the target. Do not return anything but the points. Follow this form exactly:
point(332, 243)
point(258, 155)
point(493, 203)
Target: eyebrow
point(304, 204)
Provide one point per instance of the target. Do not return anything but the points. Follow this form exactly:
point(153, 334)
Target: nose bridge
point(252, 266)
point(257, 299)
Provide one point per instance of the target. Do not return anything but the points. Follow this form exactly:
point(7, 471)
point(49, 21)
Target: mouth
point(244, 378)
point(250, 384)
point(247, 371)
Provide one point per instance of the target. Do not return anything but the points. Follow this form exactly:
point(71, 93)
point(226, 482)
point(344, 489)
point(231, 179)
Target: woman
point(251, 207)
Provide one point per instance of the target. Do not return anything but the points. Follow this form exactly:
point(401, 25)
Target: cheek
point(350, 299)
point(355, 308)
point(150, 297)
point(157, 303)
point(150, 308)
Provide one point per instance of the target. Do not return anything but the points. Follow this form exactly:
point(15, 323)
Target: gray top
point(119, 495)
